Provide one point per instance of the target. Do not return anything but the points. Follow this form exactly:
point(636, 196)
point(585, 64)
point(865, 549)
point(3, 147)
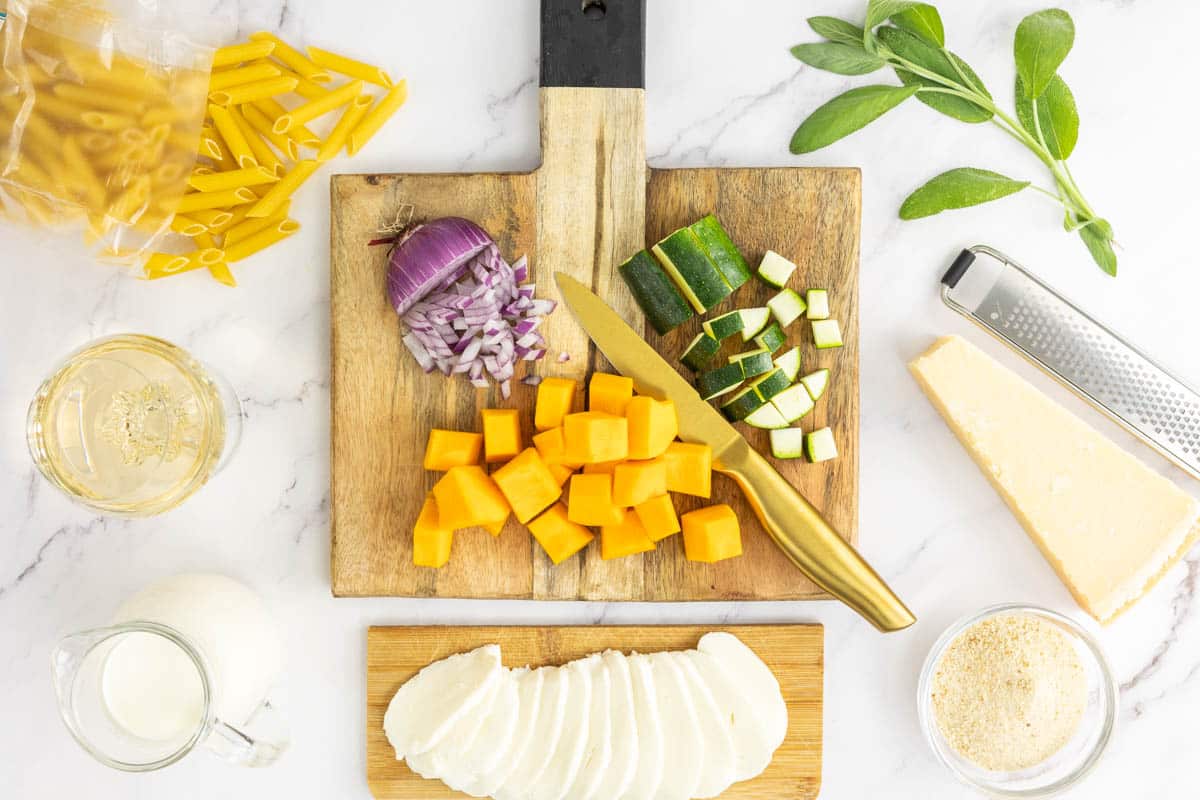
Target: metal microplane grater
point(1051, 332)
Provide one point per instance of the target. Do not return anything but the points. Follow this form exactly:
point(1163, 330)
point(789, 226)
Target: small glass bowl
point(1070, 764)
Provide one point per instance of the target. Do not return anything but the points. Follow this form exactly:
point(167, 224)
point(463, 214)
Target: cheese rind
point(1109, 525)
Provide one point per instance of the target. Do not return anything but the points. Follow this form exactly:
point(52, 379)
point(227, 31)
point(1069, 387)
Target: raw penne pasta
point(231, 132)
point(238, 53)
point(49, 105)
point(187, 225)
point(87, 98)
point(217, 181)
point(258, 71)
point(349, 67)
point(168, 173)
point(160, 265)
point(222, 199)
point(262, 152)
point(168, 114)
point(96, 141)
point(134, 136)
point(301, 134)
point(282, 191)
point(252, 226)
point(249, 92)
point(309, 90)
point(264, 238)
point(130, 204)
point(349, 120)
point(262, 123)
point(375, 118)
point(219, 269)
point(211, 217)
point(85, 178)
point(314, 108)
point(213, 146)
point(107, 120)
point(292, 57)
point(235, 216)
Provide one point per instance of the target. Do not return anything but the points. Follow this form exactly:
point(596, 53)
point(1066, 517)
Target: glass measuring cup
point(138, 714)
point(132, 425)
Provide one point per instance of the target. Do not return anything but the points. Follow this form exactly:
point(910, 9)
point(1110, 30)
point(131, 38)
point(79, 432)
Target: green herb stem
point(1073, 201)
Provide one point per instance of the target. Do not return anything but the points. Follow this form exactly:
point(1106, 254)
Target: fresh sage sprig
point(909, 38)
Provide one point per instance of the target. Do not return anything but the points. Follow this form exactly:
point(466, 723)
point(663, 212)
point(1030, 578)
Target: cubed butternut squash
point(658, 517)
point(557, 535)
point(446, 449)
point(653, 425)
point(552, 448)
point(590, 437)
point(431, 540)
point(637, 481)
point(555, 396)
point(624, 537)
point(466, 496)
point(495, 528)
point(561, 472)
point(689, 468)
point(501, 434)
point(589, 501)
point(527, 484)
point(711, 534)
point(601, 467)
point(609, 393)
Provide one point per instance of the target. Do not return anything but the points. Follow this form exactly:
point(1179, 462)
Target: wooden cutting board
point(591, 204)
point(795, 653)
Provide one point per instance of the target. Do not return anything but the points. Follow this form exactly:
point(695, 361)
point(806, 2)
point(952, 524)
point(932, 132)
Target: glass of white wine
point(132, 425)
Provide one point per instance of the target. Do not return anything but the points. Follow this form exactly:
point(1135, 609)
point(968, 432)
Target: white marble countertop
point(722, 90)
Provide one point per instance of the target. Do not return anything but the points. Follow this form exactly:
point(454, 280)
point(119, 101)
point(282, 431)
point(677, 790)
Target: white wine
point(129, 425)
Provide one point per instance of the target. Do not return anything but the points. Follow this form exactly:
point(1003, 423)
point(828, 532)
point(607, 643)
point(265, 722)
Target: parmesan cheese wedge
point(1108, 524)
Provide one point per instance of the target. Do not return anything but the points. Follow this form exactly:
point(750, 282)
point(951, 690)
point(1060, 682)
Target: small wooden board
point(795, 653)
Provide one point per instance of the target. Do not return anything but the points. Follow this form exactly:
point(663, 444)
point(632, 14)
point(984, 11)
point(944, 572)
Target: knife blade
point(798, 528)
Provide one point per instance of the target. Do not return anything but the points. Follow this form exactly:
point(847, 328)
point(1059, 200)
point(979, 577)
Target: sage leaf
point(924, 21)
point(879, 10)
point(911, 48)
point(840, 58)
point(837, 30)
point(1057, 116)
point(1100, 245)
point(958, 188)
point(847, 113)
point(1042, 41)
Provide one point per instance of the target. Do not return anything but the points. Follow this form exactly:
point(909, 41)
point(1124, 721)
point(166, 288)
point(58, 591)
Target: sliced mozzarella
point(563, 767)
point(529, 707)
point(753, 679)
point(752, 746)
point(547, 729)
point(682, 747)
point(597, 752)
point(444, 760)
point(429, 704)
point(717, 767)
point(623, 728)
point(649, 773)
point(495, 737)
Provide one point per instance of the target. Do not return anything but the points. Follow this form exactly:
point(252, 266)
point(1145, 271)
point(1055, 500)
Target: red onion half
point(467, 310)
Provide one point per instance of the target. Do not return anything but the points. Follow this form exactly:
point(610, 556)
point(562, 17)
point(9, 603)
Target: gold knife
point(798, 528)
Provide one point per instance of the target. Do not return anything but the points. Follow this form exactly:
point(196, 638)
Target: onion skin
point(428, 255)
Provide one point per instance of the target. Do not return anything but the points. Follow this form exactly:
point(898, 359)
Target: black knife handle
point(594, 43)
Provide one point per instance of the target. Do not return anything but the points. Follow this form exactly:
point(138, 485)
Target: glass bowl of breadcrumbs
point(1017, 701)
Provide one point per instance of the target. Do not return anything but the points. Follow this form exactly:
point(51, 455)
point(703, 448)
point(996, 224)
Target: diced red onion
point(531, 380)
point(564, 357)
point(430, 256)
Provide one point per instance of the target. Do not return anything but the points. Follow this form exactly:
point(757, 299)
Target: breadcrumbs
point(1009, 692)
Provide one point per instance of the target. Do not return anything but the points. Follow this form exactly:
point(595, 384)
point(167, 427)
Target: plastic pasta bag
point(100, 116)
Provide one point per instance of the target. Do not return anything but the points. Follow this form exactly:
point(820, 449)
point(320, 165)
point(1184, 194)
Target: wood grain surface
point(578, 213)
point(795, 654)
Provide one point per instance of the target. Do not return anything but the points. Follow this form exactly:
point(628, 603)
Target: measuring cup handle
point(238, 748)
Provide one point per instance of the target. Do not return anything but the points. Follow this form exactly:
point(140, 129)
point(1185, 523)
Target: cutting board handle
point(598, 44)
